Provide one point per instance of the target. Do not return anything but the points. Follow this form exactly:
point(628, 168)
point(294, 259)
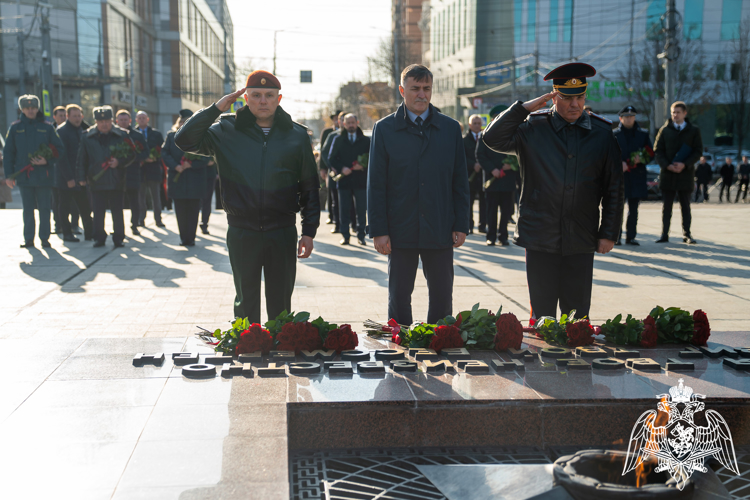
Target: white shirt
point(476, 136)
point(352, 137)
point(680, 126)
point(413, 116)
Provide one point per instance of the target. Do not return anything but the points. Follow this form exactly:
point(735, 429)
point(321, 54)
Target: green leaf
point(475, 308)
point(471, 342)
point(301, 317)
point(465, 336)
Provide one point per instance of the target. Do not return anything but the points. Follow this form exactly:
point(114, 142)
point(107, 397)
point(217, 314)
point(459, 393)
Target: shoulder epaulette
point(15, 122)
point(301, 125)
point(228, 115)
point(594, 115)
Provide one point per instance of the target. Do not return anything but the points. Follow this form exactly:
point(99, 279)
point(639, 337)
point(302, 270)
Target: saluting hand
point(226, 102)
point(539, 102)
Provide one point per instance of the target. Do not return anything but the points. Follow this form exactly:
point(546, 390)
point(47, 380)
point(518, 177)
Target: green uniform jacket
point(669, 140)
point(23, 139)
point(192, 181)
point(94, 151)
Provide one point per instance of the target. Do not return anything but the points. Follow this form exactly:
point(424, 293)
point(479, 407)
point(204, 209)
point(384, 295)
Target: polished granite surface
point(102, 428)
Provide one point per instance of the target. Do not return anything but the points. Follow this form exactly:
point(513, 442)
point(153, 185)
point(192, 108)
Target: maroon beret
point(262, 80)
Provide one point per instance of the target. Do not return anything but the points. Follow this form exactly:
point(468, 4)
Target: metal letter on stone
point(339, 367)
point(573, 363)
point(719, 352)
point(591, 352)
point(678, 365)
point(283, 356)
point(690, 352)
point(250, 357)
point(272, 369)
point(355, 355)
point(371, 366)
point(185, 358)
point(521, 353)
point(508, 366)
point(320, 354)
point(422, 354)
point(388, 354)
point(608, 364)
point(199, 370)
point(643, 364)
point(621, 353)
point(218, 359)
point(738, 364)
point(442, 365)
point(403, 365)
point(230, 371)
point(473, 366)
point(744, 352)
point(456, 353)
point(305, 368)
point(141, 359)
point(555, 352)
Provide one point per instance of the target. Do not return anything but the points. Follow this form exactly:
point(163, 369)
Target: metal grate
point(738, 486)
point(389, 473)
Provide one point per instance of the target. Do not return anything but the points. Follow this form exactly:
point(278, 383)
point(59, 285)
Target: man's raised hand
point(539, 102)
point(225, 103)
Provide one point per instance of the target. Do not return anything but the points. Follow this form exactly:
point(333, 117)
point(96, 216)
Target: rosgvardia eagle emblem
point(671, 436)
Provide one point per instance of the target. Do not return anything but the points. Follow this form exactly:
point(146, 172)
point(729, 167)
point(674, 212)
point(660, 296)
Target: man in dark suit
point(418, 197)
point(152, 172)
point(475, 173)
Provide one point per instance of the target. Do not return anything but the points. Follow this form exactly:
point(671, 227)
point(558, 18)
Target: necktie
point(351, 138)
point(419, 122)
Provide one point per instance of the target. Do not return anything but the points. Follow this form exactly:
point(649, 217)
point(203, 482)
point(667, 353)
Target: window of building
point(731, 13)
point(554, 10)
point(734, 72)
point(517, 20)
point(654, 13)
point(721, 70)
point(693, 19)
point(567, 20)
point(531, 21)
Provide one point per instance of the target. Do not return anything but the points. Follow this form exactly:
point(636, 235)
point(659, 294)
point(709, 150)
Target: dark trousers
point(70, 198)
point(41, 199)
point(476, 192)
point(504, 201)
point(153, 190)
point(666, 214)
point(206, 201)
point(554, 278)
point(728, 185)
point(743, 182)
point(274, 253)
point(56, 210)
point(631, 222)
point(114, 199)
point(134, 202)
point(345, 213)
point(217, 191)
point(334, 210)
point(187, 211)
point(704, 187)
point(437, 266)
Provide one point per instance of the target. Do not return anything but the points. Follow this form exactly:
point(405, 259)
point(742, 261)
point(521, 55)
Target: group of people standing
point(74, 169)
point(729, 173)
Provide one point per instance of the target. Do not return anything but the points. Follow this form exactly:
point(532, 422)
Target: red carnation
point(446, 337)
point(298, 336)
point(396, 339)
point(55, 152)
point(701, 328)
point(649, 335)
point(459, 320)
point(254, 339)
point(509, 332)
point(341, 339)
point(579, 333)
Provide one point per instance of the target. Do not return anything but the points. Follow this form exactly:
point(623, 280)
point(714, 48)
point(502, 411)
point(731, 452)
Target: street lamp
point(274, 45)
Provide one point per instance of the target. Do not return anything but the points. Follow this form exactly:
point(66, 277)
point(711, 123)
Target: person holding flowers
point(103, 157)
point(267, 174)
point(637, 150)
point(186, 184)
point(32, 148)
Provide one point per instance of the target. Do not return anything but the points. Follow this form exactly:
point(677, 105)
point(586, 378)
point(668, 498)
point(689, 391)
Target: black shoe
point(329, 221)
point(344, 242)
point(361, 241)
point(160, 224)
point(46, 244)
point(663, 239)
point(182, 244)
point(71, 238)
point(135, 231)
point(632, 242)
point(204, 230)
point(77, 230)
point(335, 230)
point(490, 243)
point(618, 243)
point(119, 245)
point(482, 229)
point(98, 244)
point(504, 243)
point(28, 244)
point(689, 240)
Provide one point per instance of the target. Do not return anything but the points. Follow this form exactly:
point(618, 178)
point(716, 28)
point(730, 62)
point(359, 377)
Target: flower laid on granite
point(649, 335)
point(445, 337)
point(375, 329)
point(673, 324)
point(341, 339)
point(701, 328)
point(254, 339)
point(302, 336)
point(580, 333)
point(627, 333)
point(418, 336)
point(509, 332)
point(227, 340)
point(477, 327)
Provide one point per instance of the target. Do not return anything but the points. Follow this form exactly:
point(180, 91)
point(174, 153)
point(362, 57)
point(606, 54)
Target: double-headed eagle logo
point(679, 445)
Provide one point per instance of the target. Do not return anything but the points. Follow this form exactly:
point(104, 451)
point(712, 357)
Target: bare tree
point(243, 69)
point(738, 84)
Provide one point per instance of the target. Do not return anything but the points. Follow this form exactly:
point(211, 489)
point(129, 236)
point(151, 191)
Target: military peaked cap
point(628, 111)
point(570, 79)
point(185, 113)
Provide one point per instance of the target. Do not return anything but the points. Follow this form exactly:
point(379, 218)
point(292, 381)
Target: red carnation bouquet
point(188, 158)
point(254, 339)
point(701, 328)
point(46, 151)
point(341, 339)
point(509, 332)
point(649, 335)
point(566, 332)
point(120, 151)
point(298, 337)
point(446, 337)
point(511, 160)
point(641, 156)
point(154, 153)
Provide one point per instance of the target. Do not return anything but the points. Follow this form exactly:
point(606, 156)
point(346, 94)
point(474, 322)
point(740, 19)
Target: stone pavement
point(155, 288)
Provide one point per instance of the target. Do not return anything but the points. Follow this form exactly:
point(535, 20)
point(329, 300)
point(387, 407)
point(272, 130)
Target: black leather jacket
point(265, 180)
point(567, 171)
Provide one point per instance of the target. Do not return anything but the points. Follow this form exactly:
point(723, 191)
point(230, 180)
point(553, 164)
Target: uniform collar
point(558, 122)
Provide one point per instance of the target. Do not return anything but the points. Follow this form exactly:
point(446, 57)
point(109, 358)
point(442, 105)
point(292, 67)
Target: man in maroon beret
point(267, 174)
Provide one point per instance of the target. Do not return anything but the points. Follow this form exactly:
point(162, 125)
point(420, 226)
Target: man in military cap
point(635, 145)
point(267, 173)
point(103, 150)
point(35, 173)
point(570, 164)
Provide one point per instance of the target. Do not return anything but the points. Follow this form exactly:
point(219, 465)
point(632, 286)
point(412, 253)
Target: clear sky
point(330, 37)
